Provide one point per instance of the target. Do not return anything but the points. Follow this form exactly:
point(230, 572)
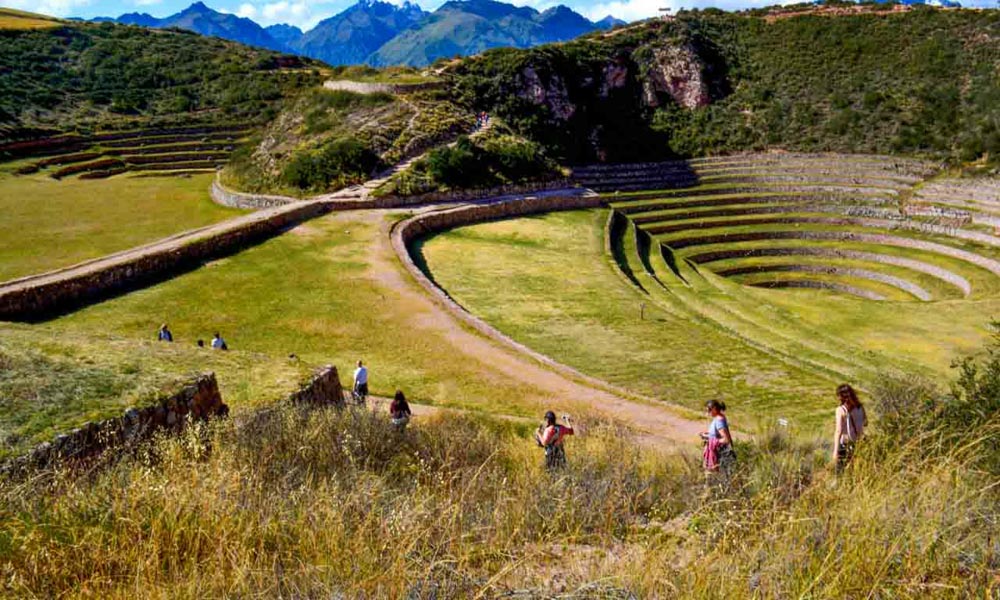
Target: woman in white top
point(851, 423)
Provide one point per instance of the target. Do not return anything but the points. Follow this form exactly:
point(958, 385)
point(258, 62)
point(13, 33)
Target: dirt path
point(658, 424)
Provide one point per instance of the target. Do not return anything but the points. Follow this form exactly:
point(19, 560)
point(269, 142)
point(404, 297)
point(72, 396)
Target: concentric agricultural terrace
point(165, 151)
point(880, 229)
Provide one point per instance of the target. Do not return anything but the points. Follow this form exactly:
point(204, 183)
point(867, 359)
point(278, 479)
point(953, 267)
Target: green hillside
point(89, 76)
point(917, 81)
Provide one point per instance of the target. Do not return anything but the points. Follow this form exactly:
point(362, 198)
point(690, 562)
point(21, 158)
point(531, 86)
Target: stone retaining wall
point(323, 389)
point(226, 197)
point(454, 196)
point(840, 236)
point(359, 87)
point(197, 401)
point(37, 297)
point(933, 270)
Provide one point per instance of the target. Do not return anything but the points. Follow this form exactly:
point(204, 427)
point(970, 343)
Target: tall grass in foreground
point(335, 504)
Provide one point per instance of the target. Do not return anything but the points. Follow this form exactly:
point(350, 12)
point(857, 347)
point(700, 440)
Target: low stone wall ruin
point(198, 401)
point(359, 87)
point(323, 389)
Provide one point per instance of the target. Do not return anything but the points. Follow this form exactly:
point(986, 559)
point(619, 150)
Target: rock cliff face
point(550, 92)
point(678, 71)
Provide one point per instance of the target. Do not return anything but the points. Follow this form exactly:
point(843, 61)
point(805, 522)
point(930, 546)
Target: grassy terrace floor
point(328, 292)
point(547, 282)
point(50, 224)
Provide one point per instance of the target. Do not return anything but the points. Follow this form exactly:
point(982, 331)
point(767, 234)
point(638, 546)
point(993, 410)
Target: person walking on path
point(851, 421)
point(360, 383)
point(719, 451)
point(550, 436)
point(164, 334)
point(399, 411)
point(218, 343)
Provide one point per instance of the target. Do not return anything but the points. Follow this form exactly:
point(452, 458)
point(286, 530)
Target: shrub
point(338, 162)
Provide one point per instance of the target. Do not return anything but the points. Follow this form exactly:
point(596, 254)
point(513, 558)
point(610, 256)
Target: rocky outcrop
point(548, 90)
point(678, 72)
point(614, 76)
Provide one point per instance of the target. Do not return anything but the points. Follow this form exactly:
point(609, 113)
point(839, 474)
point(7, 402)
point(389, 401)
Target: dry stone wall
point(226, 197)
point(359, 87)
point(198, 401)
point(323, 390)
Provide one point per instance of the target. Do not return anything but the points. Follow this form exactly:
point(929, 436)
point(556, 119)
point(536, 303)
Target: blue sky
point(306, 13)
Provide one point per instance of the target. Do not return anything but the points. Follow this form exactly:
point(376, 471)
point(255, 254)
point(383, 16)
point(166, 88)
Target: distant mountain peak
point(383, 33)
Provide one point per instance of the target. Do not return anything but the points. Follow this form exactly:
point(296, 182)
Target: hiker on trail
point(360, 383)
point(399, 411)
point(164, 334)
point(718, 440)
point(550, 436)
point(218, 343)
point(851, 421)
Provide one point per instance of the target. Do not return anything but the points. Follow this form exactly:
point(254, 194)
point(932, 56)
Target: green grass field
point(322, 292)
point(547, 282)
point(49, 224)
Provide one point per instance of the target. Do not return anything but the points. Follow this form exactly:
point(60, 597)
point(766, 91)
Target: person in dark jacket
point(399, 411)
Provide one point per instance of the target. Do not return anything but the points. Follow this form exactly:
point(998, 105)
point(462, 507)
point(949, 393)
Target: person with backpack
point(399, 411)
point(719, 452)
point(850, 424)
point(550, 436)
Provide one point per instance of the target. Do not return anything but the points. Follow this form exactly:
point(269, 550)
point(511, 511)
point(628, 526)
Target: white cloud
point(55, 8)
point(247, 10)
point(146, 2)
point(302, 13)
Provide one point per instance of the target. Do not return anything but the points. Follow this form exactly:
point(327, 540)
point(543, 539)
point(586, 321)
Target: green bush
point(339, 162)
point(493, 161)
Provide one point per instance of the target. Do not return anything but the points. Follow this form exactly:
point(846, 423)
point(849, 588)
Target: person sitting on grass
point(399, 411)
point(718, 440)
point(164, 334)
point(218, 343)
point(550, 436)
point(850, 424)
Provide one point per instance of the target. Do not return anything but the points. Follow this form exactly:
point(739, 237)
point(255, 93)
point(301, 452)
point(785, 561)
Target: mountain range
point(380, 33)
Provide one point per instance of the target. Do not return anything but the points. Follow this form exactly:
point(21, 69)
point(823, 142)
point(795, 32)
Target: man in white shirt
point(360, 383)
point(218, 343)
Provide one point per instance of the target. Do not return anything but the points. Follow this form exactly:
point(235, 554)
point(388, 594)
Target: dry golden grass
point(16, 19)
point(329, 504)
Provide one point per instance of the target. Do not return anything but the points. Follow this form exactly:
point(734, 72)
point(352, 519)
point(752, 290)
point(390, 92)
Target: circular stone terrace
point(876, 228)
